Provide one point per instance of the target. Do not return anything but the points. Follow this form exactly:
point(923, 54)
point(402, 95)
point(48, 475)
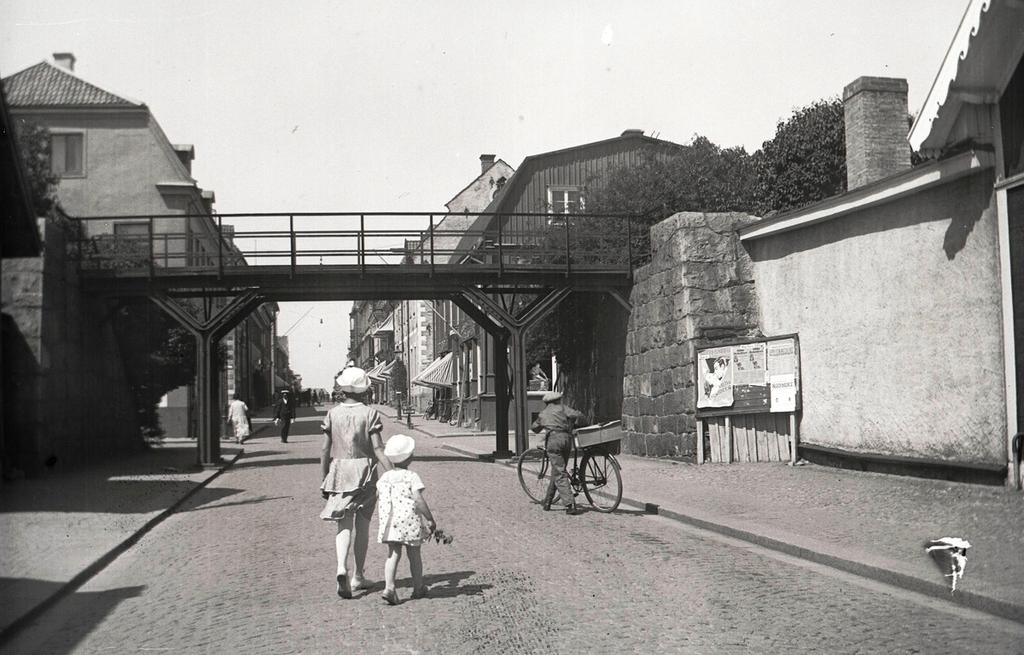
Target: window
point(67, 154)
point(131, 229)
point(565, 200)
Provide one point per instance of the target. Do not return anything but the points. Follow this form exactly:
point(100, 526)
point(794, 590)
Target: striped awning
point(374, 373)
point(387, 326)
point(381, 372)
point(438, 375)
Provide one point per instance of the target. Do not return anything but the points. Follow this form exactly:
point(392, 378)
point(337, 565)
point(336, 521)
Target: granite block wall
point(697, 289)
point(66, 397)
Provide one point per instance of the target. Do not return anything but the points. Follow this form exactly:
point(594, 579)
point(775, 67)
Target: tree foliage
point(158, 357)
point(34, 146)
point(805, 161)
point(699, 177)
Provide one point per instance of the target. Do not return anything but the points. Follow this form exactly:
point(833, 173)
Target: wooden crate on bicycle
point(603, 437)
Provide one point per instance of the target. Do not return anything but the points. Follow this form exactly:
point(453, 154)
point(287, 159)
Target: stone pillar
point(697, 289)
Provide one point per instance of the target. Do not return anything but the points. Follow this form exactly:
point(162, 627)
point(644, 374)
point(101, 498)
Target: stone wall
point(66, 398)
point(697, 289)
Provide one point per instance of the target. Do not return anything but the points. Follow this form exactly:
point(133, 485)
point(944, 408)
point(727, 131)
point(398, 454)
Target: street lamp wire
point(298, 321)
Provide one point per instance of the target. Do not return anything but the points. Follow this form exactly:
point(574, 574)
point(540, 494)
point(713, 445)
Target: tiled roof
point(48, 85)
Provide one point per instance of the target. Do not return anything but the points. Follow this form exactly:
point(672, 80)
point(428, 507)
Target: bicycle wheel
point(602, 483)
point(533, 473)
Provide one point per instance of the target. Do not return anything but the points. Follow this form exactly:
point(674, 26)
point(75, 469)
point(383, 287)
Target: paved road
point(248, 568)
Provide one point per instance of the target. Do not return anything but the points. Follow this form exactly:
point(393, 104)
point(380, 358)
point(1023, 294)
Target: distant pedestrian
point(349, 461)
point(284, 413)
point(405, 520)
point(557, 421)
point(238, 418)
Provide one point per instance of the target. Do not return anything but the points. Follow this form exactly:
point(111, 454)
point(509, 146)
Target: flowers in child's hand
point(441, 538)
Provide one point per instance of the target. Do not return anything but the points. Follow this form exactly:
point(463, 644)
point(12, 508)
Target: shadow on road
point(448, 458)
point(89, 609)
point(450, 585)
point(264, 463)
point(261, 453)
point(235, 503)
point(439, 585)
point(108, 496)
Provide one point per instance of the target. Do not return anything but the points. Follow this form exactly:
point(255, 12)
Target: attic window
point(500, 182)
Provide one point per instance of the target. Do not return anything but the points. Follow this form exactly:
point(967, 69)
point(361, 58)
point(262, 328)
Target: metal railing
point(174, 244)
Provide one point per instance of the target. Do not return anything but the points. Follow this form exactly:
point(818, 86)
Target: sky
point(386, 106)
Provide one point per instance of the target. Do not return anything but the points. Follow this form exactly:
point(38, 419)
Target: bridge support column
point(499, 340)
point(208, 332)
point(518, 327)
point(501, 398)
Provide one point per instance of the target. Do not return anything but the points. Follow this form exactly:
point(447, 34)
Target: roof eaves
point(889, 189)
point(940, 106)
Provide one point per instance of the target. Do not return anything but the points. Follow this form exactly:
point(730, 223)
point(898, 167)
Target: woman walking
point(238, 418)
point(351, 455)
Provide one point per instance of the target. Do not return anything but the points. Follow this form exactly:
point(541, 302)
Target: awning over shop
point(381, 372)
point(386, 326)
point(438, 375)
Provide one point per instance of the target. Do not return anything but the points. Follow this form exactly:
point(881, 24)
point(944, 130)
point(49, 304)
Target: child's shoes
point(420, 592)
point(390, 596)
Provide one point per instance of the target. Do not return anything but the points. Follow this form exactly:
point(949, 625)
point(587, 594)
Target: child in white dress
point(405, 520)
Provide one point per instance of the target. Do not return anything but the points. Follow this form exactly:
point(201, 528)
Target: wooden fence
point(747, 438)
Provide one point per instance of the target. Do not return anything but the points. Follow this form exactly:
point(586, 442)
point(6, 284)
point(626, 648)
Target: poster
point(783, 393)
point(749, 365)
point(715, 378)
point(749, 377)
point(782, 357)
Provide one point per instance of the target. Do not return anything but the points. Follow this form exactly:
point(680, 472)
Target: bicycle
point(596, 475)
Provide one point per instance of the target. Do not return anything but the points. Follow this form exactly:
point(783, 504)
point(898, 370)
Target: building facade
point(114, 160)
point(544, 189)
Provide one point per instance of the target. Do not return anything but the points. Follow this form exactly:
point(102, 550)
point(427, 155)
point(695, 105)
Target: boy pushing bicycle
point(558, 420)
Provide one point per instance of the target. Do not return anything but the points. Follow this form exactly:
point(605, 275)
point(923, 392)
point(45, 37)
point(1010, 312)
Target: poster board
point(750, 376)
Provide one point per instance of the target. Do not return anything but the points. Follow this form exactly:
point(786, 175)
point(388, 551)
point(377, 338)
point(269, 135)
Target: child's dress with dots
point(398, 519)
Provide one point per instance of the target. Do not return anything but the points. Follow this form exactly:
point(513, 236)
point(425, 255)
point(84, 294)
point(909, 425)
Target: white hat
point(353, 380)
point(399, 448)
point(552, 396)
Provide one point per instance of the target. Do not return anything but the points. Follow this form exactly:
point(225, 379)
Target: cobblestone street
point(247, 567)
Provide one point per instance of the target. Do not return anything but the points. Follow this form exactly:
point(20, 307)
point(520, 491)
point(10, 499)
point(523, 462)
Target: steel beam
point(207, 334)
point(499, 342)
point(517, 328)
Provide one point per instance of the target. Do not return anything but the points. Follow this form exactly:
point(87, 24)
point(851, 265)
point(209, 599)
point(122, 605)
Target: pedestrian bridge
point(210, 272)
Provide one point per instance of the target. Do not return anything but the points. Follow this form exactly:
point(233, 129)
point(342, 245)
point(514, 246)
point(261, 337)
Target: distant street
point(247, 567)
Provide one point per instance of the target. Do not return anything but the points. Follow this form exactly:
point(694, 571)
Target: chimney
point(486, 161)
point(875, 113)
point(186, 153)
point(65, 60)
point(632, 133)
point(209, 197)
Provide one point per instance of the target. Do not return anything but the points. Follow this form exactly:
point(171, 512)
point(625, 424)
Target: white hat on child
point(353, 380)
point(399, 448)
